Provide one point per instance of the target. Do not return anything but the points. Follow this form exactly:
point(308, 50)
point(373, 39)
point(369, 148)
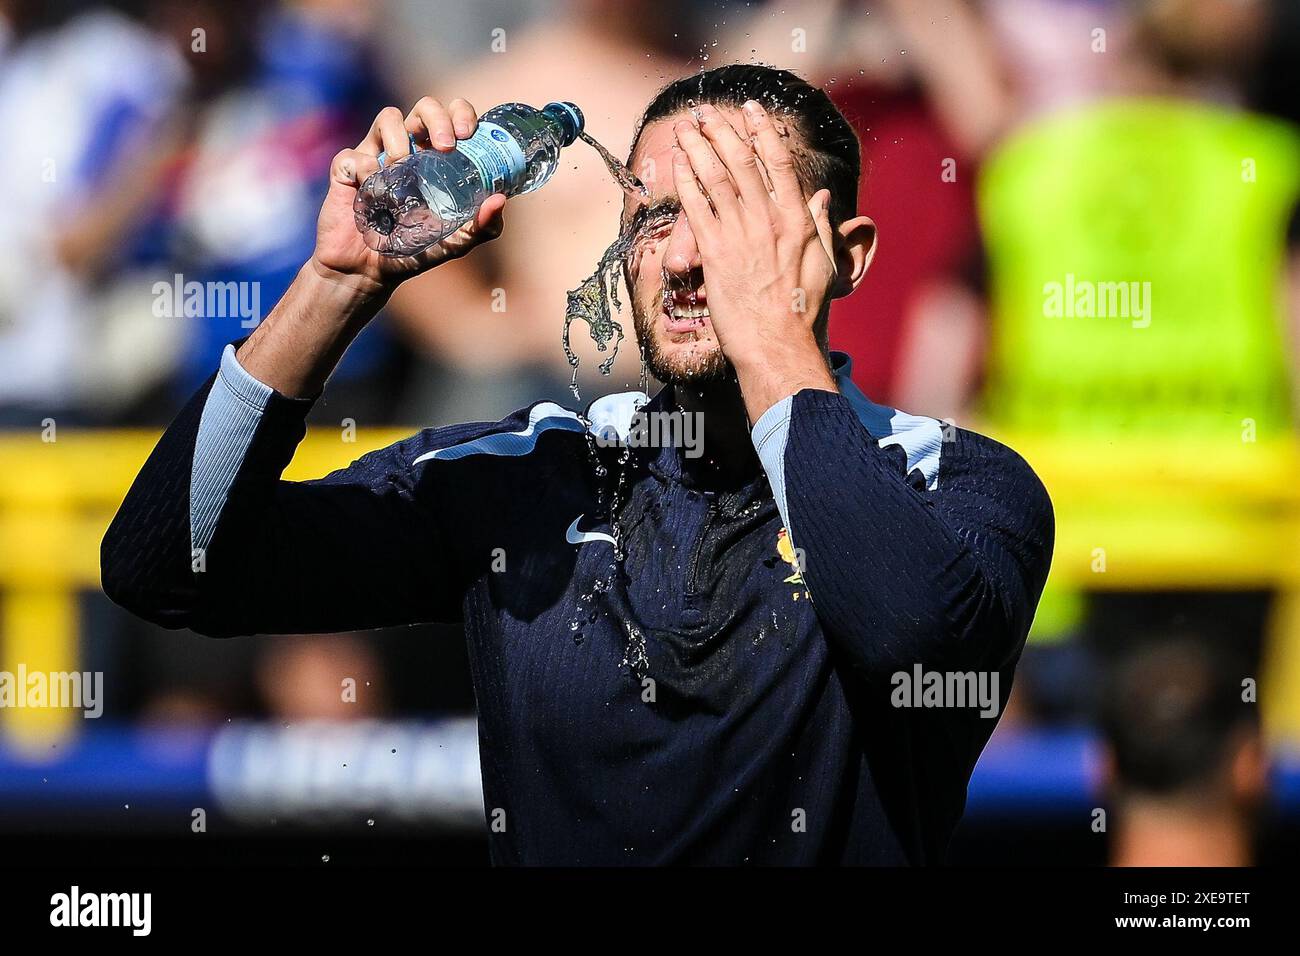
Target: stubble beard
point(699, 368)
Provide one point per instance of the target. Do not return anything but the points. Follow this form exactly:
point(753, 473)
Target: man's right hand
point(341, 254)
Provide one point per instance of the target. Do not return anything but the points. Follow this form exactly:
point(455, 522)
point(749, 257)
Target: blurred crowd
point(173, 141)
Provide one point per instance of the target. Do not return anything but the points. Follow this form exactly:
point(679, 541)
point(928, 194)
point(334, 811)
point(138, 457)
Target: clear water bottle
point(409, 205)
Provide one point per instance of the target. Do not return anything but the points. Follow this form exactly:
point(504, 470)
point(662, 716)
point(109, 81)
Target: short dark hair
point(1172, 711)
point(830, 157)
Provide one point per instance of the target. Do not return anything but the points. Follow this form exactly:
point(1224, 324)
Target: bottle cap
point(569, 116)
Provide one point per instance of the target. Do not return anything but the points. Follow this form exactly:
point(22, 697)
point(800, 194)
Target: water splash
point(625, 178)
point(595, 302)
point(635, 656)
point(590, 302)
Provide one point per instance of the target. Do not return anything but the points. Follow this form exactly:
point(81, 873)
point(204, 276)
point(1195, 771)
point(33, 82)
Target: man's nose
point(682, 256)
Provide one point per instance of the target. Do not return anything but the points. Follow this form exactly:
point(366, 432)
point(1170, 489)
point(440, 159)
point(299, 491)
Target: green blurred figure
point(1137, 242)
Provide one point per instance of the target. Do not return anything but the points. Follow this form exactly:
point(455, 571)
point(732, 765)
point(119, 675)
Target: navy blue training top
point(727, 693)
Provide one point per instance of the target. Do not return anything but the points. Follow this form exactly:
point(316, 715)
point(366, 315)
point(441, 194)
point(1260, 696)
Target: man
point(1186, 764)
point(711, 672)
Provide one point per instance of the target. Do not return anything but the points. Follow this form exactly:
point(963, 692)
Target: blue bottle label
point(496, 156)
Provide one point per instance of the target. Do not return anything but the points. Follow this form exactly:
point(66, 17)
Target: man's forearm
point(301, 342)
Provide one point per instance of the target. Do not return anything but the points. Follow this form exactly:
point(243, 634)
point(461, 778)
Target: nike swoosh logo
point(574, 536)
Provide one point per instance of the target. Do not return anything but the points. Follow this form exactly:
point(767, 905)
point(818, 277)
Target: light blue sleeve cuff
point(770, 434)
point(226, 428)
point(241, 384)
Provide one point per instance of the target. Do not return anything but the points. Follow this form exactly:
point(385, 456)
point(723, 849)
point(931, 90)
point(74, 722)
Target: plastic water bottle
point(410, 204)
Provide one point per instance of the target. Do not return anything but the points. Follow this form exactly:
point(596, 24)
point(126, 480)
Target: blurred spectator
point(1185, 759)
point(88, 105)
point(247, 203)
point(1136, 247)
point(1046, 56)
point(335, 677)
point(1163, 185)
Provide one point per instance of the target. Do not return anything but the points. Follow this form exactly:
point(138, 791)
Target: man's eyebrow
point(664, 204)
point(661, 207)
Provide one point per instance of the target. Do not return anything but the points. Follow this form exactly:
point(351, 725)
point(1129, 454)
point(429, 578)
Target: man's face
point(670, 307)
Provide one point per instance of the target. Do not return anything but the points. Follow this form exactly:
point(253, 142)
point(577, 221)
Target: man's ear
point(855, 247)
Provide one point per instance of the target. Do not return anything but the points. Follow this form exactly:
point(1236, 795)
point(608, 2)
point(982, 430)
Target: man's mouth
point(685, 311)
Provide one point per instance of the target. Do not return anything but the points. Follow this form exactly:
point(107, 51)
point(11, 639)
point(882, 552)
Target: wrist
point(298, 345)
point(777, 373)
point(348, 289)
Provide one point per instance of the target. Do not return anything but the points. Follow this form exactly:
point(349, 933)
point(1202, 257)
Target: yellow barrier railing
point(1168, 514)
